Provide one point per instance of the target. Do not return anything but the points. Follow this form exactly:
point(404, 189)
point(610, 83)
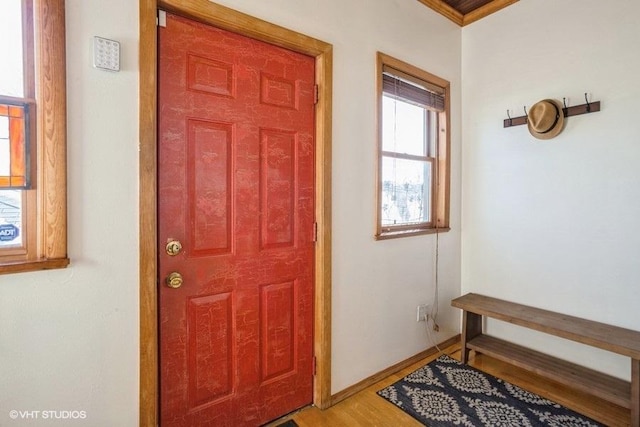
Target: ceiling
point(464, 12)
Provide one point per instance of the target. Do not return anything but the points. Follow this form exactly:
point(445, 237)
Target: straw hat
point(545, 119)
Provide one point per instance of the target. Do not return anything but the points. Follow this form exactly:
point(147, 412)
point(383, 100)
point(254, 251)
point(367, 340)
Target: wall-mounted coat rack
point(589, 107)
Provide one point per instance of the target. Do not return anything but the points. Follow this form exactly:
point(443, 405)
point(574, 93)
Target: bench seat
point(607, 337)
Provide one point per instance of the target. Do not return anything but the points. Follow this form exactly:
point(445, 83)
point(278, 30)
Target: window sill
point(23, 266)
point(408, 233)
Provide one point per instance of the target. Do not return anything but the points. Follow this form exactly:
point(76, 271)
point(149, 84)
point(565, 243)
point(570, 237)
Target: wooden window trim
point(46, 204)
point(440, 197)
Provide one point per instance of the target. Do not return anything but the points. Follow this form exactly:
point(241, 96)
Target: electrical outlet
point(423, 313)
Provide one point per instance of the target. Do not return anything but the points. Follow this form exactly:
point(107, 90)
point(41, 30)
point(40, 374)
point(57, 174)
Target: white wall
point(554, 224)
point(69, 338)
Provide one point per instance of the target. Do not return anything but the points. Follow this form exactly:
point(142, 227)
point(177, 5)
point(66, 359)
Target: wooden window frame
point(45, 204)
point(441, 163)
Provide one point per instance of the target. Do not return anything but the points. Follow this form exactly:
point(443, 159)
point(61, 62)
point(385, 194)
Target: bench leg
point(635, 393)
point(471, 328)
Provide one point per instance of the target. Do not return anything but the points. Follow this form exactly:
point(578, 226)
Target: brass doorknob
point(174, 280)
point(173, 247)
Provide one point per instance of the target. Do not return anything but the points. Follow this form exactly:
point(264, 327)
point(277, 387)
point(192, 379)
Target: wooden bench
point(612, 338)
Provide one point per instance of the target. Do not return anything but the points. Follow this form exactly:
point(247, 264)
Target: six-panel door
point(236, 190)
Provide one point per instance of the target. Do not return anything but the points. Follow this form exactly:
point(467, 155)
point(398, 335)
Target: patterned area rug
point(447, 393)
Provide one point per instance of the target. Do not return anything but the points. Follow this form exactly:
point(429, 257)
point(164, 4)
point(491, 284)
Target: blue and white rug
point(448, 393)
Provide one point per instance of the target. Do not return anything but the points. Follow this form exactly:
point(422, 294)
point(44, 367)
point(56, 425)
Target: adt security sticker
point(8, 232)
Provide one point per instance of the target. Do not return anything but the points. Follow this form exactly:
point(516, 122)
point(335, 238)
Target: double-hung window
point(413, 173)
point(33, 233)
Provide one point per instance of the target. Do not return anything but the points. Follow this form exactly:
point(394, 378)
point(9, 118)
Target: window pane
point(11, 74)
point(403, 127)
point(5, 147)
point(13, 143)
point(10, 218)
point(406, 188)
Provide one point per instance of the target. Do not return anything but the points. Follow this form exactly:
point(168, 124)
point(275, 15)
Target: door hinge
point(316, 94)
point(315, 231)
point(314, 367)
point(161, 19)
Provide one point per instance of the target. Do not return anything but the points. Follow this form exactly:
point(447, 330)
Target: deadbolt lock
point(173, 247)
point(174, 280)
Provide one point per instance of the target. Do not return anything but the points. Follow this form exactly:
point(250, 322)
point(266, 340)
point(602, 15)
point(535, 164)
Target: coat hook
point(510, 120)
point(588, 105)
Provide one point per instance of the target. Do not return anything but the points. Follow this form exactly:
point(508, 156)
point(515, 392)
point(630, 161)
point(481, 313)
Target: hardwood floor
point(368, 409)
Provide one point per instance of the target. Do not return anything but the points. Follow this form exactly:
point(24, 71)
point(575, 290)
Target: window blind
point(401, 85)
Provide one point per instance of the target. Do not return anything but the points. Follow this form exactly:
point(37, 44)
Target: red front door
point(236, 189)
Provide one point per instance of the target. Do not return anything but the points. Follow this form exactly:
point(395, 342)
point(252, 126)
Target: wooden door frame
point(231, 20)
